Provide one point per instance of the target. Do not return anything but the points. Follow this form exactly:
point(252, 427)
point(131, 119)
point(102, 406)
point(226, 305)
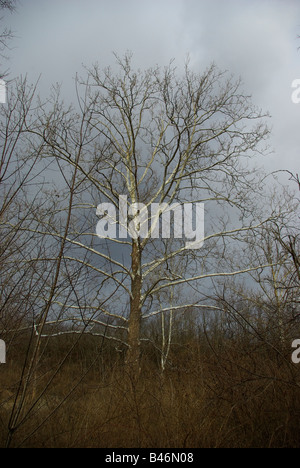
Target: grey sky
point(254, 39)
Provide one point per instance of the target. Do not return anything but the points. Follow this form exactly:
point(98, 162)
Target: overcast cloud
point(254, 39)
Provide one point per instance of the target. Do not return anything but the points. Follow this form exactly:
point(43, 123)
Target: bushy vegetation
point(216, 391)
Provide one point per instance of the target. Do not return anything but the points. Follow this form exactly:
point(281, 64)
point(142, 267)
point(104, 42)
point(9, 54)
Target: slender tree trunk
point(134, 332)
point(295, 257)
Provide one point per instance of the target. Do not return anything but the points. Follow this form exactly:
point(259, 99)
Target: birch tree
point(161, 137)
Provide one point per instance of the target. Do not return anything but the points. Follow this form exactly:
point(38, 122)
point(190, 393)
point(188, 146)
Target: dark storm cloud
point(256, 40)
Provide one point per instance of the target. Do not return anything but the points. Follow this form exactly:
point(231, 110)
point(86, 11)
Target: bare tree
point(17, 174)
point(135, 140)
point(270, 299)
point(36, 278)
point(288, 235)
point(6, 33)
point(154, 136)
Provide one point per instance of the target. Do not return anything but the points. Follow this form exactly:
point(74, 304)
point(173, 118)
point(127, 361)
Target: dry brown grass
point(223, 396)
